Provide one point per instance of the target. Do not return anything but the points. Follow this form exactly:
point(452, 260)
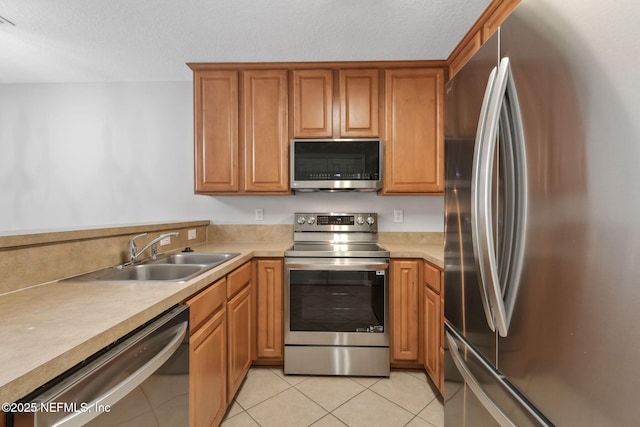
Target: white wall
point(97, 154)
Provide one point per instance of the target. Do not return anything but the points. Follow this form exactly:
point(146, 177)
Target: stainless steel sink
point(178, 267)
point(152, 272)
point(208, 258)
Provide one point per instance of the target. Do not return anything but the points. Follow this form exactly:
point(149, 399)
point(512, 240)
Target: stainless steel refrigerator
point(542, 208)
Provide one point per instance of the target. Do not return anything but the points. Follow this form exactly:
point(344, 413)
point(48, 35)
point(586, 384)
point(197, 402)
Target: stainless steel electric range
point(336, 296)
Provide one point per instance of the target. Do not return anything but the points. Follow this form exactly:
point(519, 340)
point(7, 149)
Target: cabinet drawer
point(206, 303)
point(237, 279)
point(432, 277)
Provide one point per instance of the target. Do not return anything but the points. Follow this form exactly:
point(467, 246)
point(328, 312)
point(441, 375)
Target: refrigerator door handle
point(478, 238)
point(503, 109)
point(473, 384)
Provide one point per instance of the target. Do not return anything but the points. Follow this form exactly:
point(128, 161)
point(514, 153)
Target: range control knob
point(370, 220)
point(301, 220)
point(311, 220)
point(360, 220)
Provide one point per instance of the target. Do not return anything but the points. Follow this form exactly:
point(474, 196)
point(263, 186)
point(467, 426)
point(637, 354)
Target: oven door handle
point(336, 265)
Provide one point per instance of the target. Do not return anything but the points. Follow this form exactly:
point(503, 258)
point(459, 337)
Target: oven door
point(336, 302)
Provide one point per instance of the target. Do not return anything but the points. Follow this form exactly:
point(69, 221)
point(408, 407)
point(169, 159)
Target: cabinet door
point(432, 327)
point(414, 142)
point(238, 340)
point(312, 103)
point(359, 103)
point(405, 290)
point(216, 131)
point(269, 310)
point(266, 141)
point(208, 372)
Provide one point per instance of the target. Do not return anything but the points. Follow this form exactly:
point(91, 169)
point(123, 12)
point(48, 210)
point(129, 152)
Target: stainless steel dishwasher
point(142, 379)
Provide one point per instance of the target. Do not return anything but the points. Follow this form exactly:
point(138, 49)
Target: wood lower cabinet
point(414, 141)
point(405, 299)
point(208, 356)
point(239, 327)
point(433, 324)
point(269, 289)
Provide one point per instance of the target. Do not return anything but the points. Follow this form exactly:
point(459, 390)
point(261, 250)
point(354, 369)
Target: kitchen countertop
point(49, 328)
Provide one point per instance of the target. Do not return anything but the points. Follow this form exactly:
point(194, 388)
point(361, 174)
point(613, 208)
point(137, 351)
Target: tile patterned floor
point(270, 398)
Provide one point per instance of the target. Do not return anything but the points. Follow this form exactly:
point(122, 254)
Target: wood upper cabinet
point(320, 110)
point(414, 142)
point(269, 310)
point(266, 141)
point(405, 299)
point(239, 327)
point(498, 12)
point(208, 356)
point(216, 131)
point(484, 27)
point(465, 52)
point(313, 103)
point(241, 132)
point(359, 112)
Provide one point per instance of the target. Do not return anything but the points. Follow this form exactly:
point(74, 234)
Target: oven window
point(336, 301)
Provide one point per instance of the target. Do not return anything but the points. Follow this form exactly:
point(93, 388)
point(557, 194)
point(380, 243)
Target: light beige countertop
point(49, 328)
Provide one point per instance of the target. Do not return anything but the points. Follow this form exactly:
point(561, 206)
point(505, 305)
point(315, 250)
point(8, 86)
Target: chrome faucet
point(133, 250)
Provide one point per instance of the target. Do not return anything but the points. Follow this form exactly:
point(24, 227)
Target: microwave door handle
point(477, 188)
point(115, 394)
point(474, 385)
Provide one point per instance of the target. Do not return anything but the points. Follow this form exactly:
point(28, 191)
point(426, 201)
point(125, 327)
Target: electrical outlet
point(165, 241)
point(398, 215)
point(191, 234)
point(259, 214)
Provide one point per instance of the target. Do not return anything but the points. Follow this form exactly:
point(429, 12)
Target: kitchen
point(115, 189)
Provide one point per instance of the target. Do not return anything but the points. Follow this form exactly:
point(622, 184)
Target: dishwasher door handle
point(115, 394)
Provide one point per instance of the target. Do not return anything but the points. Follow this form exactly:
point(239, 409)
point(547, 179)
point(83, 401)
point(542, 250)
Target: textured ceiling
point(151, 40)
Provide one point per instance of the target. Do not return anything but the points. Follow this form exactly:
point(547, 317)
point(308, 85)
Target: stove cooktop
point(322, 249)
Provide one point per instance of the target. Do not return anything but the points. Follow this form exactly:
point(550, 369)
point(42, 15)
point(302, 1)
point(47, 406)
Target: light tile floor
point(270, 398)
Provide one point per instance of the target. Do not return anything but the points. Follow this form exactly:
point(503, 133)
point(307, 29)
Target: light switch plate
point(165, 241)
point(191, 234)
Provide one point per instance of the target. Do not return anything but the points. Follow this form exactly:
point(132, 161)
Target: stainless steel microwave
point(336, 164)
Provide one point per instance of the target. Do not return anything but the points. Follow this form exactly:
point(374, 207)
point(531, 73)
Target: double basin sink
point(177, 267)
